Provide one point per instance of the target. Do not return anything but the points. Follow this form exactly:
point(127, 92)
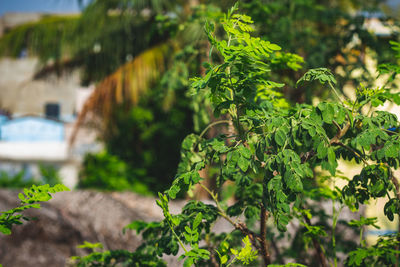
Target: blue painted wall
point(3, 119)
point(32, 129)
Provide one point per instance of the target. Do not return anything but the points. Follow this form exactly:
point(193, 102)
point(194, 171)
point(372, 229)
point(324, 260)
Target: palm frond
point(48, 38)
point(125, 86)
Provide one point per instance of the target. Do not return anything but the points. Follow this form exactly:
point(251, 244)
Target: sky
point(53, 6)
point(58, 6)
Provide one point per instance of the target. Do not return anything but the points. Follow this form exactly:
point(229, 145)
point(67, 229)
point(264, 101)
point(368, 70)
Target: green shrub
point(271, 154)
point(48, 174)
point(107, 172)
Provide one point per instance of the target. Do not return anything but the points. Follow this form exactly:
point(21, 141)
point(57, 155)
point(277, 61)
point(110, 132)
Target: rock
point(71, 218)
point(68, 220)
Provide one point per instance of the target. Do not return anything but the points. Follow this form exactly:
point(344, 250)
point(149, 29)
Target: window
point(52, 110)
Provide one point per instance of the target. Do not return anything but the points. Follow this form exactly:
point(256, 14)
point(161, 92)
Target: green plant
point(48, 175)
point(15, 181)
point(29, 199)
point(283, 162)
point(107, 172)
point(99, 257)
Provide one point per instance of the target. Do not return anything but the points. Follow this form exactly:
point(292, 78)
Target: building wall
point(21, 95)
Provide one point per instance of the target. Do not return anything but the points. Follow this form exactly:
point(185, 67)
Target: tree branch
point(263, 235)
point(341, 132)
point(396, 186)
point(254, 238)
point(212, 125)
point(317, 246)
point(351, 150)
point(334, 141)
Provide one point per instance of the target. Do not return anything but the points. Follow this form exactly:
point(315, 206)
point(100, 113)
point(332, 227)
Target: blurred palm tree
point(124, 46)
point(127, 47)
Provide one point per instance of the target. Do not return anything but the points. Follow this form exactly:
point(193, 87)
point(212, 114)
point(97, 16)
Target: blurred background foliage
point(141, 54)
point(325, 33)
point(48, 174)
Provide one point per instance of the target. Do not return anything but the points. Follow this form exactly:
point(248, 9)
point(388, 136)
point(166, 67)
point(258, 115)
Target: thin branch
point(221, 211)
point(212, 125)
point(396, 186)
point(238, 226)
point(351, 150)
point(212, 254)
point(389, 131)
point(341, 132)
point(317, 246)
point(336, 93)
point(335, 140)
point(337, 126)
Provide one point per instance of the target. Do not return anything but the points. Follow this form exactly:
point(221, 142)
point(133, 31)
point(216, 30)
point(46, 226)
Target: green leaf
point(187, 228)
point(173, 191)
point(322, 151)
point(189, 141)
point(391, 151)
point(322, 75)
point(197, 220)
point(21, 197)
point(5, 230)
point(275, 183)
point(274, 47)
point(90, 245)
point(294, 182)
point(328, 114)
point(331, 155)
point(188, 262)
point(280, 137)
point(224, 259)
point(175, 220)
point(243, 163)
point(245, 152)
point(139, 226)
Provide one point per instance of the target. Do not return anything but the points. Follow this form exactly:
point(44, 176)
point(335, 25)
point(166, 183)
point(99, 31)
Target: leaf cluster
point(29, 199)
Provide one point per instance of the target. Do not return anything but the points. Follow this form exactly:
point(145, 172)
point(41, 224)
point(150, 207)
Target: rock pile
point(68, 220)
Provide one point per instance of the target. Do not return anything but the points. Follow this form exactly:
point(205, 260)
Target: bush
point(107, 172)
point(270, 154)
point(48, 175)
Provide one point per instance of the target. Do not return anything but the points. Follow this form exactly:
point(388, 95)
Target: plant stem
point(353, 151)
point(221, 211)
point(334, 220)
point(335, 215)
point(317, 246)
point(361, 236)
point(238, 226)
point(263, 233)
point(391, 132)
point(212, 125)
point(336, 93)
point(232, 261)
point(397, 188)
point(175, 234)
